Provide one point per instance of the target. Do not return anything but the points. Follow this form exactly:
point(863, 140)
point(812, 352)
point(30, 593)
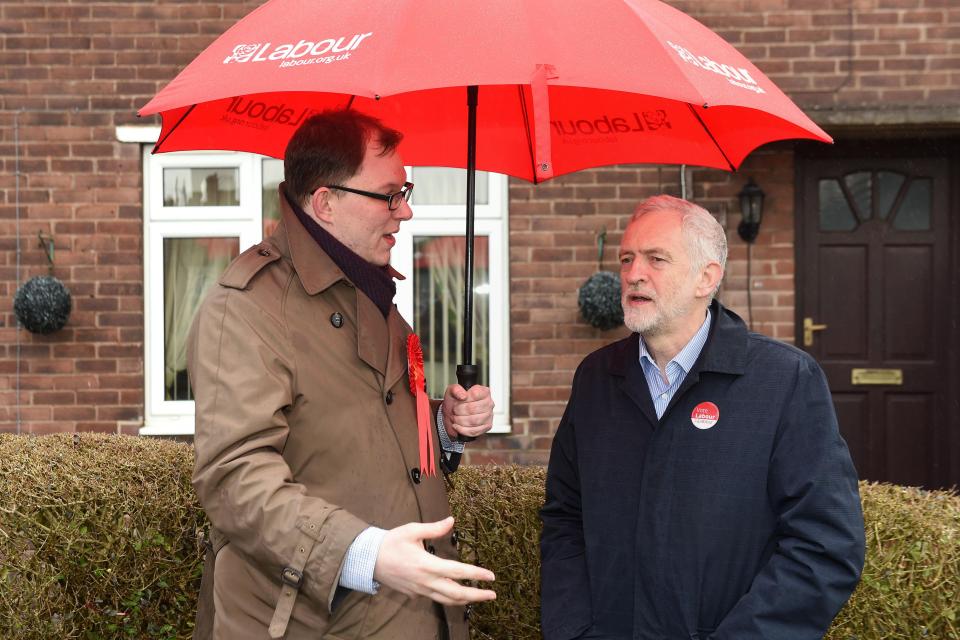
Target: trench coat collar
point(725, 352)
point(318, 272)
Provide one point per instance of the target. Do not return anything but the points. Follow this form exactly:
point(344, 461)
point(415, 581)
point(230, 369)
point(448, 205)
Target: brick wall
point(71, 71)
point(846, 54)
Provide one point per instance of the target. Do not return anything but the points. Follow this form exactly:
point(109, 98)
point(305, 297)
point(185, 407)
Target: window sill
point(168, 426)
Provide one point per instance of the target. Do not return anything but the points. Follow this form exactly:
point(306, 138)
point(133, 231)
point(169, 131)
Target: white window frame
point(165, 417)
point(243, 221)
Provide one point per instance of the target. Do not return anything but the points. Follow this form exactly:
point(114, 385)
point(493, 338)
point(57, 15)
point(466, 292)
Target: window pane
point(860, 186)
point(442, 185)
point(190, 267)
point(915, 210)
point(835, 213)
point(438, 307)
point(888, 186)
point(200, 187)
point(272, 177)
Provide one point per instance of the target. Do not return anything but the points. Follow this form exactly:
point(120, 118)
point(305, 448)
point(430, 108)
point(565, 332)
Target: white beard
point(655, 320)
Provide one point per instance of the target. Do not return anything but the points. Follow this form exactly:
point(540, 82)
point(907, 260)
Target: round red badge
point(705, 415)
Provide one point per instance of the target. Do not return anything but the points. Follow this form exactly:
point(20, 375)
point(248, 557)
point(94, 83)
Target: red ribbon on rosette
point(418, 387)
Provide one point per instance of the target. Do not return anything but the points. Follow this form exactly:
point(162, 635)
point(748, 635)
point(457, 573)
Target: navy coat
point(658, 530)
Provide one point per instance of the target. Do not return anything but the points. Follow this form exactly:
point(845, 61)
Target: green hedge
point(98, 540)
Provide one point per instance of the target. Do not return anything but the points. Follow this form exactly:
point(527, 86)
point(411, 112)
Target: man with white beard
point(698, 486)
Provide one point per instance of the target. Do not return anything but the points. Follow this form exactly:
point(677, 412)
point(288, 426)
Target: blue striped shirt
point(677, 369)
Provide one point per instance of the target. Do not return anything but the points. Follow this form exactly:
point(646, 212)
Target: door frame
point(901, 144)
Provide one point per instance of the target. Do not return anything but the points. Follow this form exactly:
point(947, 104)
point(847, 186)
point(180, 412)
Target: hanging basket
point(42, 304)
point(599, 301)
point(599, 297)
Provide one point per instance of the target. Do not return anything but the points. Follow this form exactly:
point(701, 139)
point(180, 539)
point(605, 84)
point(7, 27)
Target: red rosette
point(415, 363)
point(418, 388)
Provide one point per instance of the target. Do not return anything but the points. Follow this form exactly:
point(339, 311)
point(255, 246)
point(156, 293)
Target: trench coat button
point(415, 475)
point(389, 398)
point(336, 319)
point(264, 252)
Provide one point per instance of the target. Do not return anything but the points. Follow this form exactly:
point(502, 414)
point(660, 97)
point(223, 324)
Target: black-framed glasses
point(393, 200)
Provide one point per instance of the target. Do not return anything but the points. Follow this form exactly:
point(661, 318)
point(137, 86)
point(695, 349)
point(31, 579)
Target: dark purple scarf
point(375, 282)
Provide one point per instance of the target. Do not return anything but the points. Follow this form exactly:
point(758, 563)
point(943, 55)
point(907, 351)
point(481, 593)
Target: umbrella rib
point(707, 131)
point(156, 147)
point(526, 129)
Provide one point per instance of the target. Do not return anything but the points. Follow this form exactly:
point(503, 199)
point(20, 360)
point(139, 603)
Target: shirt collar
point(687, 356)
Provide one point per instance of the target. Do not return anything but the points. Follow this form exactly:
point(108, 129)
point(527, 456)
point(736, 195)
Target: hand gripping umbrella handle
point(467, 375)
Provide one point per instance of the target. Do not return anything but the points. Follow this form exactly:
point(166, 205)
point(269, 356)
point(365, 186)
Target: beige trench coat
point(306, 434)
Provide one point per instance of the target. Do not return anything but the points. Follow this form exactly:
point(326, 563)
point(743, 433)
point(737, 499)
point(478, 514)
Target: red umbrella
point(553, 86)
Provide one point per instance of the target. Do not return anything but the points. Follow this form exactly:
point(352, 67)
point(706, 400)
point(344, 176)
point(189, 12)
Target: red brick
point(906, 64)
point(120, 351)
point(120, 382)
point(118, 413)
point(64, 413)
point(945, 63)
point(96, 427)
point(134, 397)
point(898, 4)
point(923, 16)
point(132, 334)
point(98, 398)
point(926, 48)
point(119, 319)
point(72, 11)
point(120, 288)
point(115, 12)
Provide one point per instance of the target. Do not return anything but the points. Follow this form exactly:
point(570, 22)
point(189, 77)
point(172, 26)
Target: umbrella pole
point(467, 372)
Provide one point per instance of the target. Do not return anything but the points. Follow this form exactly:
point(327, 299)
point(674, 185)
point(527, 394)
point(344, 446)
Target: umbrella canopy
point(553, 86)
point(563, 85)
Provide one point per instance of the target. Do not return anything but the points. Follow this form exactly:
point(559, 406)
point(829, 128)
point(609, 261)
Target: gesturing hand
point(403, 564)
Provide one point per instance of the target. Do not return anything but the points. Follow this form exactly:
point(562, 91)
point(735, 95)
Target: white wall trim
point(138, 133)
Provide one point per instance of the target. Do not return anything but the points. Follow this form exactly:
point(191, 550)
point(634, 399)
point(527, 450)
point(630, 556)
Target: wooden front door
point(875, 307)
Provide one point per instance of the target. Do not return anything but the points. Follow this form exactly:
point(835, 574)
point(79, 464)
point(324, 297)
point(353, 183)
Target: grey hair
point(706, 239)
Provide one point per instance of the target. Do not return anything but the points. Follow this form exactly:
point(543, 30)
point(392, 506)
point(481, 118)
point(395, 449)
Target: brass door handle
point(808, 329)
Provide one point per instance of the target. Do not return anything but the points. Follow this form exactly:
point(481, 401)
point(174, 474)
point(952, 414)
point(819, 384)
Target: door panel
point(852, 411)
point(908, 303)
point(843, 281)
point(909, 438)
point(874, 254)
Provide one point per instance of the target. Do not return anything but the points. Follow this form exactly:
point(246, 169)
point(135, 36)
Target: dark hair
point(328, 148)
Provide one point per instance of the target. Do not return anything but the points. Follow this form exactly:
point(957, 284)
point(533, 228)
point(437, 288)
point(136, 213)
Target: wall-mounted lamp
point(751, 208)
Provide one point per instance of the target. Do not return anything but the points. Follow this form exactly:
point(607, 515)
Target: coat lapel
point(398, 330)
point(725, 350)
point(373, 340)
point(625, 364)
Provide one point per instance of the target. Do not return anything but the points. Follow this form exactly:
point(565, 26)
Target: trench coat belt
point(291, 579)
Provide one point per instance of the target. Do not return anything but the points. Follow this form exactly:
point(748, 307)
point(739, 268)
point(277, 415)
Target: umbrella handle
point(467, 376)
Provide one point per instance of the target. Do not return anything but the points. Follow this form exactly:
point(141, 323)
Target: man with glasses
point(327, 519)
